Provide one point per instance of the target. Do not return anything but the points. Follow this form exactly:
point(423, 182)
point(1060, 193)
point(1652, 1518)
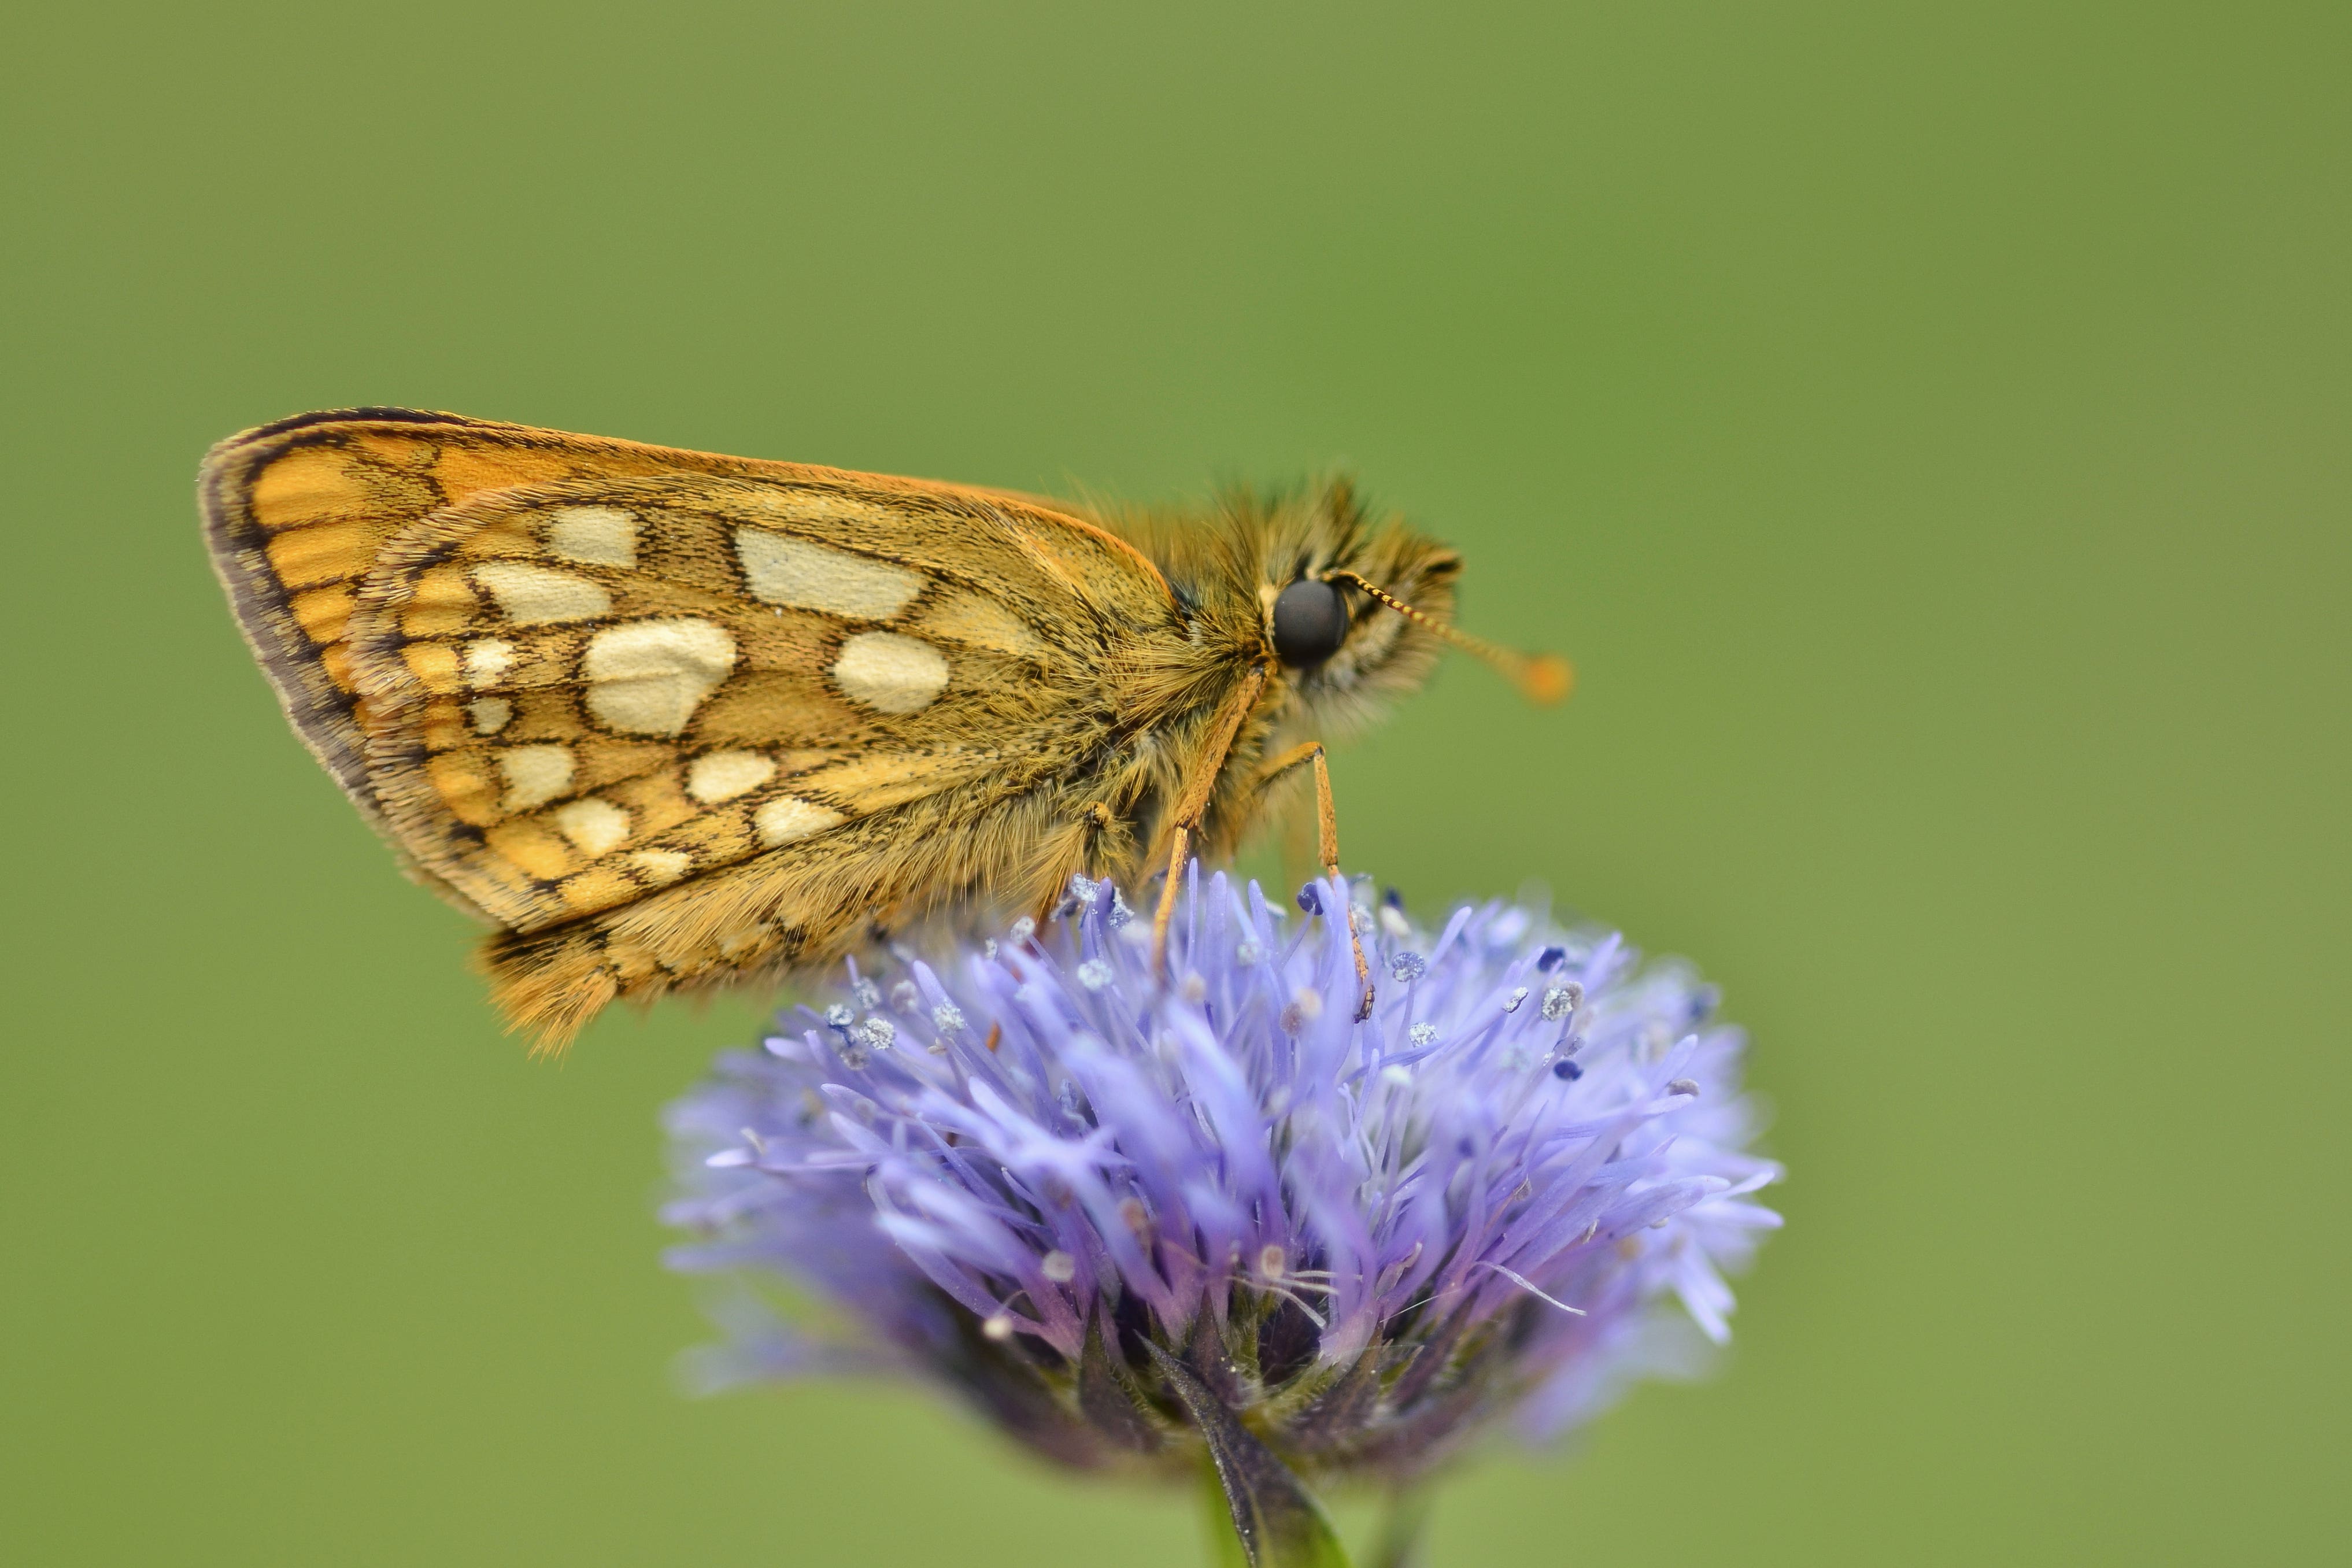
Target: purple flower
point(1088, 1201)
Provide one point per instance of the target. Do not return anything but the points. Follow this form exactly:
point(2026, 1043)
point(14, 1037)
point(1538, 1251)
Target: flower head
point(1080, 1195)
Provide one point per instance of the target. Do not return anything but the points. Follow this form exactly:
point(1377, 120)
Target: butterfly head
point(1353, 611)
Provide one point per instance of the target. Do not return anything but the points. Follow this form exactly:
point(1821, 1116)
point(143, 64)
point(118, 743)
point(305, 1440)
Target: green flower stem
point(1277, 1522)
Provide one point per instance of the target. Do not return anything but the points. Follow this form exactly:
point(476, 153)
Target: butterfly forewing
point(564, 675)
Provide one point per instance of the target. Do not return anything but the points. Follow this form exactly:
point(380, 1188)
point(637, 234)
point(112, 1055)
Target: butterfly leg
point(1193, 803)
point(1180, 842)
point(1096, 822)
point(1100, 822)
point(1327, 823)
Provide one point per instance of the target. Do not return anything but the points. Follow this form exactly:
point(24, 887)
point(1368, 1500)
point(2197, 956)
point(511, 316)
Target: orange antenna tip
point(1548, 678)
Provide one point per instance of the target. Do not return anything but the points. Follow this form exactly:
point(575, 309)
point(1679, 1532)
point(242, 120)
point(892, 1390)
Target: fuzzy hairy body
point(668, 720)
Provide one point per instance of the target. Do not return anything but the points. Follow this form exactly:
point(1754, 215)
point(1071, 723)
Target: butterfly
point(667, 720)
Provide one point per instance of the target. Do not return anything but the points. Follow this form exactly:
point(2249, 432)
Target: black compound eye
point(1310, 622)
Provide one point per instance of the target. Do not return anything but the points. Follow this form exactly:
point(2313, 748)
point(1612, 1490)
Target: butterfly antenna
point(1542, 677)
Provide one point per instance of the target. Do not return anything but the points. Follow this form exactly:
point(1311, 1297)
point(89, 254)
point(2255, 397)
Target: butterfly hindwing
point(296, 513)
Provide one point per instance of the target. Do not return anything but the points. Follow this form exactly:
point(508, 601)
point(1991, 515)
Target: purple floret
point(1010, 1164)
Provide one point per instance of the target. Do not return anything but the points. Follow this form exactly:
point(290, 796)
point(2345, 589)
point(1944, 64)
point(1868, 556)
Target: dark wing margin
point(320, 709)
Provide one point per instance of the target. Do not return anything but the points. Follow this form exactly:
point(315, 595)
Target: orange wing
point(560, 673)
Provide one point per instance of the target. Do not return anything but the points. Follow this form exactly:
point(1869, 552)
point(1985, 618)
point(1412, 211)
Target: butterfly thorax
point(1227, 566)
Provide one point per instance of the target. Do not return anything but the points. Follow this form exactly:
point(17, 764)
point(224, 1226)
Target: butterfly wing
point(563, 675)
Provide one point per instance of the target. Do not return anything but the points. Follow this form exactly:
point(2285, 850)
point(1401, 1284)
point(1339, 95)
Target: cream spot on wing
point(595, 826)
point(782, 570)
point(648, 677)
point(895, 674)
point(983, 622)
point(489, 714)
point(487, 660)
point(723, 775)
point(783, 819)
point(538, 595)
point(534, 774)
point(661, 865)
point(597, 535)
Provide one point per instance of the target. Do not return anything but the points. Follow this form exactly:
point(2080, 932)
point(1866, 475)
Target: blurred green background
point(1926, 428)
